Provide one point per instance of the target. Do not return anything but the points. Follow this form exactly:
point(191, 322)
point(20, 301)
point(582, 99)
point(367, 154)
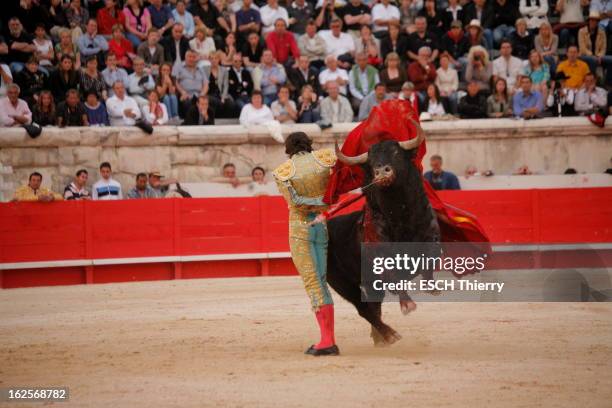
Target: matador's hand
point(321, 218)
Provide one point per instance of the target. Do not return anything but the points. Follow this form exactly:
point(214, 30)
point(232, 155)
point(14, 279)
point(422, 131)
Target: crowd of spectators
point(158, 62)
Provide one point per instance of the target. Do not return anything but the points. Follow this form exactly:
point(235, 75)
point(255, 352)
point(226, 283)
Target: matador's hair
point(297, 142)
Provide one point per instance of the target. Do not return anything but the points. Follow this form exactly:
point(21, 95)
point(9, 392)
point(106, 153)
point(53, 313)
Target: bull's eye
point(387, 169)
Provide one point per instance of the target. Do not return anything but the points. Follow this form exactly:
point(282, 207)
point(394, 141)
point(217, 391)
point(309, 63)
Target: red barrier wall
point(152, 228)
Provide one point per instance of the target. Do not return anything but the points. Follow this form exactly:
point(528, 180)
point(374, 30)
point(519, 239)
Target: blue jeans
point(606, 64)
point(268, 99)
point(488, 37)
point(171, 102)
point(552, 63)
point(17, 67)
point(501, 32)
point(133, 39)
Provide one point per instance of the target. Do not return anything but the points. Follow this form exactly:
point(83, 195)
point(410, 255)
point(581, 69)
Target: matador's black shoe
point(328, 351)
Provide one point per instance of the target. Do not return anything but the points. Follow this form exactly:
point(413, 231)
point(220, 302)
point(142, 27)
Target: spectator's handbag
point(144, 126)
point(34, 130)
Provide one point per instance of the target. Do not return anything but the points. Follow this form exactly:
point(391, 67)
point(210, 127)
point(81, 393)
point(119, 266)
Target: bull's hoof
point(379, 340)
point(384, 340)
point(407, 306)
point(392, 337)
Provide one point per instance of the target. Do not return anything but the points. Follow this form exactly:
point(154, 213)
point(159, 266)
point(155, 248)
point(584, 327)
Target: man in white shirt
point(14, 111)
point(335, 108)
point(337, 43)
point(122, 109)
point(590, 98)
point(140, 83)
point(383, 14)
point(334, 74)
point(270, 13)
point(255, 113)
point(507, 66)
point(106, 188)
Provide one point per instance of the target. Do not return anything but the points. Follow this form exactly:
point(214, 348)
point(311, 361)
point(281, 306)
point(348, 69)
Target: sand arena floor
point(239, 343)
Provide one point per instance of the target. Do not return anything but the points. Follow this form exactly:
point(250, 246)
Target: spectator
point(31, 81)
point(335, 108)
point(30, 13)
point(184, 17)
point(300, 12)
point(14, 111)
point(435, 19)
point(20, 45)
point(240, 83)
point(71, 112)
point(308, 106)
point(573, 68)
point(106, 188)
point(77, 190)
point(56, 16)
point(504, 16)
point(141, 189)
point(228, 50)
point(302, 75)
point(65, 46)
point(521, 39)
point(473, 105)
point(257, 186)
point(422, 38)
point(152, 52)
point(527, 103)
point(6, 78)
point(203, 46)
point(604, 8)
point(252, 51)
point(161, 16)
point(383, 15)
point(485, 14)
point(422, 72)
point(393, 76)
point(362, 80)
point(499, 104)
point(507, 66)
point(122, 48)
point(479, 68)
point(122, 109)
point(408, 12)
point(207, 14)
point(592, 44)
point(190, 81)
point(155, 112)
point(137, 21)
point(113, 73)
point(248, 20)
point(43, 112)
point(218, 85)
point(229, 176)
point(140, 83)
point(454, 12)
point(440, 179)
point(284, 109)
point(334, 74)
point(570, 20)
point(355, 15)
point(282, 44)
point(96, 111)
point(92, 44)
point(312, 45)
point(456, 44)
point(159, 186)
point(77, 16)
point(591, 98)
point(547, 43)
point(539, 72)
point(374, 98)
point(166, 89)
point(270, 13)
point(394, 42)
point(176, 45)
point(561, 98)
point(34, 192)
point(447, 81)
point(340, 45)
point(369, 45)
point(63, 78)
point(44, 49)
point(326, 12)
point(108, 17)
point(534, 12)
point(92, 80)
point(408, 94)
point(434, 104)
point(201, 113)
point(269, 76)
point(255, 113)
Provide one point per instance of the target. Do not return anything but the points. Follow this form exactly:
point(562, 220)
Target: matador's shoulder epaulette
point(285, 171)
point(325, 157)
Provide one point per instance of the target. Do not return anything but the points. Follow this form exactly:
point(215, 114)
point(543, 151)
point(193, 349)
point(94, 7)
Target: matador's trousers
point(309, 252)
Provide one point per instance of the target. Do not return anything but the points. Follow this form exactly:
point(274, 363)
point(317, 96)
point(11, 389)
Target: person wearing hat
point(574, 68)
point(560, 101)
point(534, 12)
point(592, 45)
point(158, 186)
point(604, 8)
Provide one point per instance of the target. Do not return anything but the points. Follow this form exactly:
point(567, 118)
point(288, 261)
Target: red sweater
point(282, 46)
point(121, 50)
point(106, 21)
point(420, 77)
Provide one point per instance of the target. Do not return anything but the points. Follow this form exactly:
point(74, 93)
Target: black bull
point(398, 211)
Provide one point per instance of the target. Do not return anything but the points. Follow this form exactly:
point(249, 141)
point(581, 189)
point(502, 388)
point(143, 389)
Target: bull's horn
point(416, 142)
point(351, 161)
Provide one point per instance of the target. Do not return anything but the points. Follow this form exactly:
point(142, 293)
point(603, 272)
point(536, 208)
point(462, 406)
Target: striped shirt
point(106, 190)
point(72, 192)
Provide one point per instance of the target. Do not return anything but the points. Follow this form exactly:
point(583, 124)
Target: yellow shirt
point(27, 193)
point(576, 72)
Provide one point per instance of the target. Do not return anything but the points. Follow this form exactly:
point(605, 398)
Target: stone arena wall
point(194, 154)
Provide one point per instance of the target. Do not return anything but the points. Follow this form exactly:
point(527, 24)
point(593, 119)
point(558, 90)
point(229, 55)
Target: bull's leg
point(407, 305)
point(381, 333)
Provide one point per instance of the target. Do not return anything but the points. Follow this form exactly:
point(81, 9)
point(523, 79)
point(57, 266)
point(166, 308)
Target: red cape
point(389, 121)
